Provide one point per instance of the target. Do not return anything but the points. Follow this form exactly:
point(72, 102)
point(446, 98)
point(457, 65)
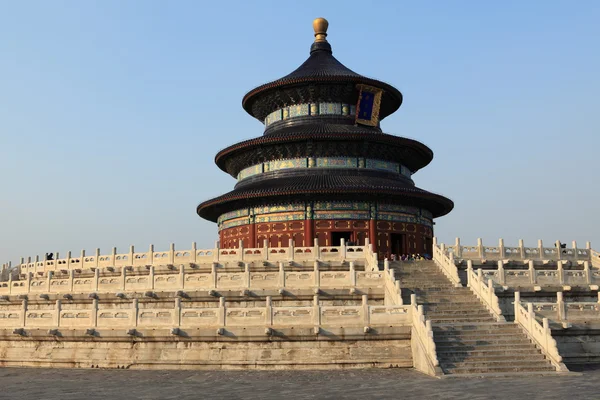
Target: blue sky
point(111, 112)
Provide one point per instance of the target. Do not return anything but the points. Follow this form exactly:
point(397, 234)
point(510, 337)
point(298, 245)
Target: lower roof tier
point(325, 187)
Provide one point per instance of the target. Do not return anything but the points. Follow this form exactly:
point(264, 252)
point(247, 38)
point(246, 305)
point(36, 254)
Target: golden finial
point(320, 26)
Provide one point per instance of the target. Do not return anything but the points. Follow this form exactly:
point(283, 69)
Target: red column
point(309, 233)
point(373, 234)
point(252, 238)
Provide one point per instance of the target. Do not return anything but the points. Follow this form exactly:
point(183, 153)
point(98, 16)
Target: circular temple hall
point(324, 172)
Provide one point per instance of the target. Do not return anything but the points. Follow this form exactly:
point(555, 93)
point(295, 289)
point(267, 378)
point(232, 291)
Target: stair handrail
point(446, 263)
point(392, 290)
point(371, 259)
point(423, 334)
point(541, 334)
point(595, 257)
point(485, 292)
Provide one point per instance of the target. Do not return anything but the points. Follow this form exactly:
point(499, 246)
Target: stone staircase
point(468, 338)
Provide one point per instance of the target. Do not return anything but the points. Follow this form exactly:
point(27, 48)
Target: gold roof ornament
point(320, 26)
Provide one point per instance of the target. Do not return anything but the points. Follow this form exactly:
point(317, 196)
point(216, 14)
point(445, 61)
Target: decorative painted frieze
point(323, 162)
point(341, 215)
point(337, 162)
point(341, 205)
point(303, 110)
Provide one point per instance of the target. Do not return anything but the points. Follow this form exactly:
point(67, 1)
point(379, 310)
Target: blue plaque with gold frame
point(369, 102)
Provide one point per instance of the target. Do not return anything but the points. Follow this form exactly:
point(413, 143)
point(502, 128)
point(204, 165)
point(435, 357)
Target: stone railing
point(539, 333)
point(502, 252)
point(393, 293)
point(197, 256)
point(188, 278)
point(422, 343)
point(445, 261)
point(484, 291)
point(222, 316)
point(551, 277)
point(566, 312)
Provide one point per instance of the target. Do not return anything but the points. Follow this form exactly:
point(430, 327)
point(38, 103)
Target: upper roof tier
point(320, 79)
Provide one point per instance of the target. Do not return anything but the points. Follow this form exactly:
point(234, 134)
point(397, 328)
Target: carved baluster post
point(516, 305)
point(558, 250)
point(123, 277)
point(587, 272)
point(151, 277)
point(522, 249)
point(281, 277)
point(317, 277)
point(57, 310)
point(222, 321)
point(365, 310)
point(241, 250)
point(135, 310)
point(182, 276)
point(541, 249)
point(150, 255)
point(266, 249)
point(457, 248)
point(216, 252)
point(113, 257)
point(316, 311)
point(247, 275)
point(177, 313)
point(532, 273)
point(352, 275)
point(23, 313)
point(213, 275)
point(97, 259)
point(28, 282)
point(501, 249)
point(560, 272)
point(194, 253)
point(501, 272)
point(530, 316)
point(172, 253)
point(49, 282)
point(480, 248)
point(69, 266)
point(94, 313)
point(469, 272)
point(561, 306)
point(96, 279)
point(131, 251)
point(269, 311)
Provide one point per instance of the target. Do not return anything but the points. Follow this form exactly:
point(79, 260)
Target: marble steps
point(499, 368)
point(437, 307)
point(478, 329)
point(489, 352)
point(450, 319)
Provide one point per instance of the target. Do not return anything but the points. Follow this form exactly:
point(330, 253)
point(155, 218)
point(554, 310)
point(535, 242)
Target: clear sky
point(111, 112)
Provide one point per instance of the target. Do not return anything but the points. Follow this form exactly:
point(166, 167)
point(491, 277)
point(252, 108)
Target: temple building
point(324, 170)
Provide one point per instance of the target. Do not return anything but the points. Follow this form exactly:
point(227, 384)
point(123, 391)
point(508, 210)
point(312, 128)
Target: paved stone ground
point(63, 384)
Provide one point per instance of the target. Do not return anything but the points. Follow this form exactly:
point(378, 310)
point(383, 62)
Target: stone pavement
point(71, 384)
